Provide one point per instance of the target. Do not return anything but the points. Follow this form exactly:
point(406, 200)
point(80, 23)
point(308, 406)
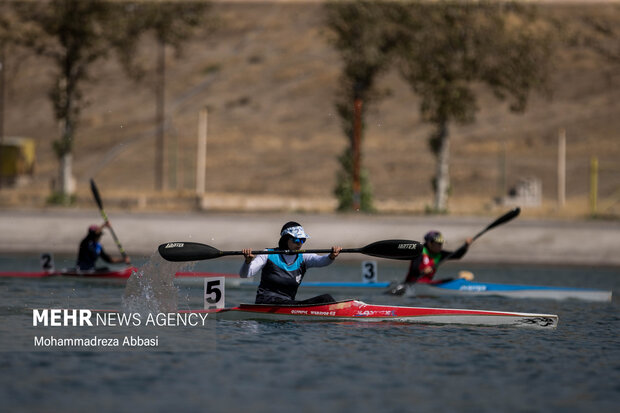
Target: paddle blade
point(187, 251)
point(95, 192)
point(501, 220)
point(395, 249)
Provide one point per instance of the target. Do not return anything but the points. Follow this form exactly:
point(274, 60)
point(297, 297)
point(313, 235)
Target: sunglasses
point(298, 240)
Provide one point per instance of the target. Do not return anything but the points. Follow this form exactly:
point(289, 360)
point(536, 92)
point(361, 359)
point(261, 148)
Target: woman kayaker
point(90, 250)
point(423, 268)
point(281, 274)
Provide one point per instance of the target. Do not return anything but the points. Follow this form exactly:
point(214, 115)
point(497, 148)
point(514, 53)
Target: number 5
point(214, 293)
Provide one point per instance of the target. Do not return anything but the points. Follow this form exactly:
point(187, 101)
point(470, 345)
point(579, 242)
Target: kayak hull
point(72, 273)
point(462, 287)
point(358, 311)
point(123, 273)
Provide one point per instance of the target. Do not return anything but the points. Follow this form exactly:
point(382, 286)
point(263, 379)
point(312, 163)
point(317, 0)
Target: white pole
point(561, 168)
point(201, 160)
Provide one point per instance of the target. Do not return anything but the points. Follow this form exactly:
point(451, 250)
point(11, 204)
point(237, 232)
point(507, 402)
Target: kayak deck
point(354, 310)
point(462, 287)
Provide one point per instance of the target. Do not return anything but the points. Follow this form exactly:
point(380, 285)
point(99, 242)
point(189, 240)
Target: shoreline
point(521, 241)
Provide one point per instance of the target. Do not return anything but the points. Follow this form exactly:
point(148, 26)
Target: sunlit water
point(313, 367)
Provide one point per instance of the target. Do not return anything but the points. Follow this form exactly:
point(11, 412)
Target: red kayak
point(71, 272)
point(123, 273)
point(354, 310)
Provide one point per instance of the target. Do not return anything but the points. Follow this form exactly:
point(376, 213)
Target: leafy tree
point(72, 34)
point(365, 36)
point(599, 33)
point(450, 48)
point(172, 23)
point(7, 36)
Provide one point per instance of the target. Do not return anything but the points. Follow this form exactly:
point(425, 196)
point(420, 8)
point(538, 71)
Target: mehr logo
point(174, 245)
point(61, 317)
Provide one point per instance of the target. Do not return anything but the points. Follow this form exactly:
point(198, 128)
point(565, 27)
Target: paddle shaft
point(95, 192)
point(290, 252)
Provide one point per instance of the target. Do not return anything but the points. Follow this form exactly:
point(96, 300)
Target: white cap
point(295, 232)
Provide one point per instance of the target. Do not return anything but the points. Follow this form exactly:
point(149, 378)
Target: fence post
point(561, 168)
point(201, 155)
point(593, 184)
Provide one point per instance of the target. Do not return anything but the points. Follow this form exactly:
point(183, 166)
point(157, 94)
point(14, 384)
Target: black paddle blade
point(187, 251)
point(505, 218)
point(395, 249)
point(95, 192)
point(501, 220)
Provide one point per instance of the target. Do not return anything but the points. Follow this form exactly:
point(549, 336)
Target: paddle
point(400, 288)
point(95, 191)
point(499, 221)
point(508, 216)
point(396, 249)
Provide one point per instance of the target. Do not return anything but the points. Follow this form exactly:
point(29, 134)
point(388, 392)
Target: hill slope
point(268, 78)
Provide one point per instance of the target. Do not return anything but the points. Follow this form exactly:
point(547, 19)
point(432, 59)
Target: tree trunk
point(357, 154)
point(442, 174)
point(66, 182)
point(160, 149)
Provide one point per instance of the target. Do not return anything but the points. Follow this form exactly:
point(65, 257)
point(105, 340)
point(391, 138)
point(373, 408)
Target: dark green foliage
point(448, 49)
point(170, 22)
point(72, 34)
point(365, 37)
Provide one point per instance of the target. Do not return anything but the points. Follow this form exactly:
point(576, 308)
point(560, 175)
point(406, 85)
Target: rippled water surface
point(315, 366)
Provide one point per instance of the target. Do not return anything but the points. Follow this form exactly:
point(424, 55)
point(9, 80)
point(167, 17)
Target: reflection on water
point(310, 367)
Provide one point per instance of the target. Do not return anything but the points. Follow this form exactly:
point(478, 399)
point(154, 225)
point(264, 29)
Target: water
point(316, 367)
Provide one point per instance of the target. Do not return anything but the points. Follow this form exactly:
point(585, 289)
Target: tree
point(172, 23)
point(365, 38)
point(7, 30)
point(72, 33)
point(601, 34)
point(450, 48)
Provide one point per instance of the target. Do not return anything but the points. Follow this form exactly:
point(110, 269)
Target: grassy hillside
point(268, 78)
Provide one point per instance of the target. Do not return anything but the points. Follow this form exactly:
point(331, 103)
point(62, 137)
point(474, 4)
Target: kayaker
point(281, 274)
point(90, 250)
point(423, 268)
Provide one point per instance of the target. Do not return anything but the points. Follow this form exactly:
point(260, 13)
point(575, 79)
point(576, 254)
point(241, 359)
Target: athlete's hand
point(247, 252)
point(335, 252)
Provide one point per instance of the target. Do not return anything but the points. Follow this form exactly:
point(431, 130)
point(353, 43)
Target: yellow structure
point(17, 159)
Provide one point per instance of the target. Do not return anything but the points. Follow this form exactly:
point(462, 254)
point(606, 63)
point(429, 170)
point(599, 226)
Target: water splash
point(151, 288)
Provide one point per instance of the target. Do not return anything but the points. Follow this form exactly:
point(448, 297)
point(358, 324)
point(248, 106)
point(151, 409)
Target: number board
point(369, 272)
point(47, 261)
point(214, 293)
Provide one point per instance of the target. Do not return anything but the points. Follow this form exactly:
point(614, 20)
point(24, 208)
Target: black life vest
point(279, 281)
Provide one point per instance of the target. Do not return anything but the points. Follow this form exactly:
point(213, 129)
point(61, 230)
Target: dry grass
point(269, 80)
